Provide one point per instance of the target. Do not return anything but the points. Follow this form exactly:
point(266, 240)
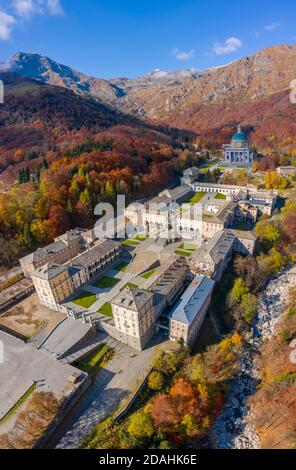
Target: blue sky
point(111, 38)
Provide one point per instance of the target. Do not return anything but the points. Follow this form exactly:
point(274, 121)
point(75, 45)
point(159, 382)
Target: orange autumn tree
point(164, 413)
point(184, 409)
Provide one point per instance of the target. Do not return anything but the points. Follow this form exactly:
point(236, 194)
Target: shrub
point(156, 380)
point(140, 425)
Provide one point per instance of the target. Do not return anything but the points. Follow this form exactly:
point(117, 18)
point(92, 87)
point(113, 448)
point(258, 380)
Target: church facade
point(238, 153)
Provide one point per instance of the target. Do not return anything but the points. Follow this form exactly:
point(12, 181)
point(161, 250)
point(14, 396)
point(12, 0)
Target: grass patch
point(241, 226)
point(148, 274)
point(292, 312)
point(140, 238)
point(133, 243)
point(196, 198)
point(129, 284)
point(210, 164)
point(94, 361)
point(106, 310)
point(122, 267)
point(106, 282)
point(85, 299)
point(188, 247)
point(183, 253)
point(220, 196)
point(14, 409)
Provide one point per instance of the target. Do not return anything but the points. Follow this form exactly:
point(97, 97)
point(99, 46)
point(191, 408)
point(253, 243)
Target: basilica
point(238, 153)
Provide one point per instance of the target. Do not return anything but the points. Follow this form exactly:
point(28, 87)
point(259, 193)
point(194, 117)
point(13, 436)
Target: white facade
point(187, 317)
point(238, 152)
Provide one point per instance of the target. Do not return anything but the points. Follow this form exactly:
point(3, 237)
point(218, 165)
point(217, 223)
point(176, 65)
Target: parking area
point(24, 366)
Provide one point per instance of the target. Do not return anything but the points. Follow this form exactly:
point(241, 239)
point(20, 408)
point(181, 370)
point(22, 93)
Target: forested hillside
point(66, 154)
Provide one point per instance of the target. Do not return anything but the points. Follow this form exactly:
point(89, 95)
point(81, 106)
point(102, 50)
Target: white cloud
point(23, 10)
point(182, 55)
point(6, 25)
point(272, 27)
point(27, 8)
point(227, 47)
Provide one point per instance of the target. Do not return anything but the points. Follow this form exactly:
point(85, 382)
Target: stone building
point(190, 175)
point(64, 248)
point(286, 170)
point(188, 315)
point(136, 311)
point(55, 282)
point(167, 283)
point(238, 153)
point(213, 257)
point(134, 317)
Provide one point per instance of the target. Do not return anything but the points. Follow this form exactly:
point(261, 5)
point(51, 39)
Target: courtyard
point(24, 370)
point(95, 298)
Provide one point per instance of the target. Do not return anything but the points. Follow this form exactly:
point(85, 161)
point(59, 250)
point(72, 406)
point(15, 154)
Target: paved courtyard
point(114, 385)
point(23, 366)
point(147, 254)
point(68, 333)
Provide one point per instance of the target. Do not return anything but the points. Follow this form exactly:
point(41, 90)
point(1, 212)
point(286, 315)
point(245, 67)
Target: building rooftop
point(239, 136)
point(177, 193)
point(215, 249)
point(132, 298)
point(169, 196)
point(224, 211)
point(193, 299)
point(49, 271)
point(225, 186)
point(246, 235)
point(72, 234)
point(93, 254)
point(191, 171)
point(288, 167)
point(57, 246)
point(162, 281)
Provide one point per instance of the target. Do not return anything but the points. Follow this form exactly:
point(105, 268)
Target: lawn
point(85, 299)
point(196, 198)
point(148, 274)
point(140, 238)
point(106, 282)
point(220, 196)
point(133, 243)
point(187, 247)
point(122, 267)
point(241, 226)
point(92, 363)
point(129, 284)
point(106, 310)
point(210, 164)
point(18, 404)
point(185, 254)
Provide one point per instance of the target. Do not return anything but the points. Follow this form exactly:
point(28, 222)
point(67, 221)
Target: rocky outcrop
point(234, 429)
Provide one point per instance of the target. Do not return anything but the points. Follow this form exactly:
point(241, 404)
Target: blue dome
point(240, 136)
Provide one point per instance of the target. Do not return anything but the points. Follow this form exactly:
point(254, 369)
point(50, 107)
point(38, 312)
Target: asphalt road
point(115, 383)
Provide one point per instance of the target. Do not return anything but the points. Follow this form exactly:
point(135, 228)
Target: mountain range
point(252, 91)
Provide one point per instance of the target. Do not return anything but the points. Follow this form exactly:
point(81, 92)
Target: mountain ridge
point(204, 101)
